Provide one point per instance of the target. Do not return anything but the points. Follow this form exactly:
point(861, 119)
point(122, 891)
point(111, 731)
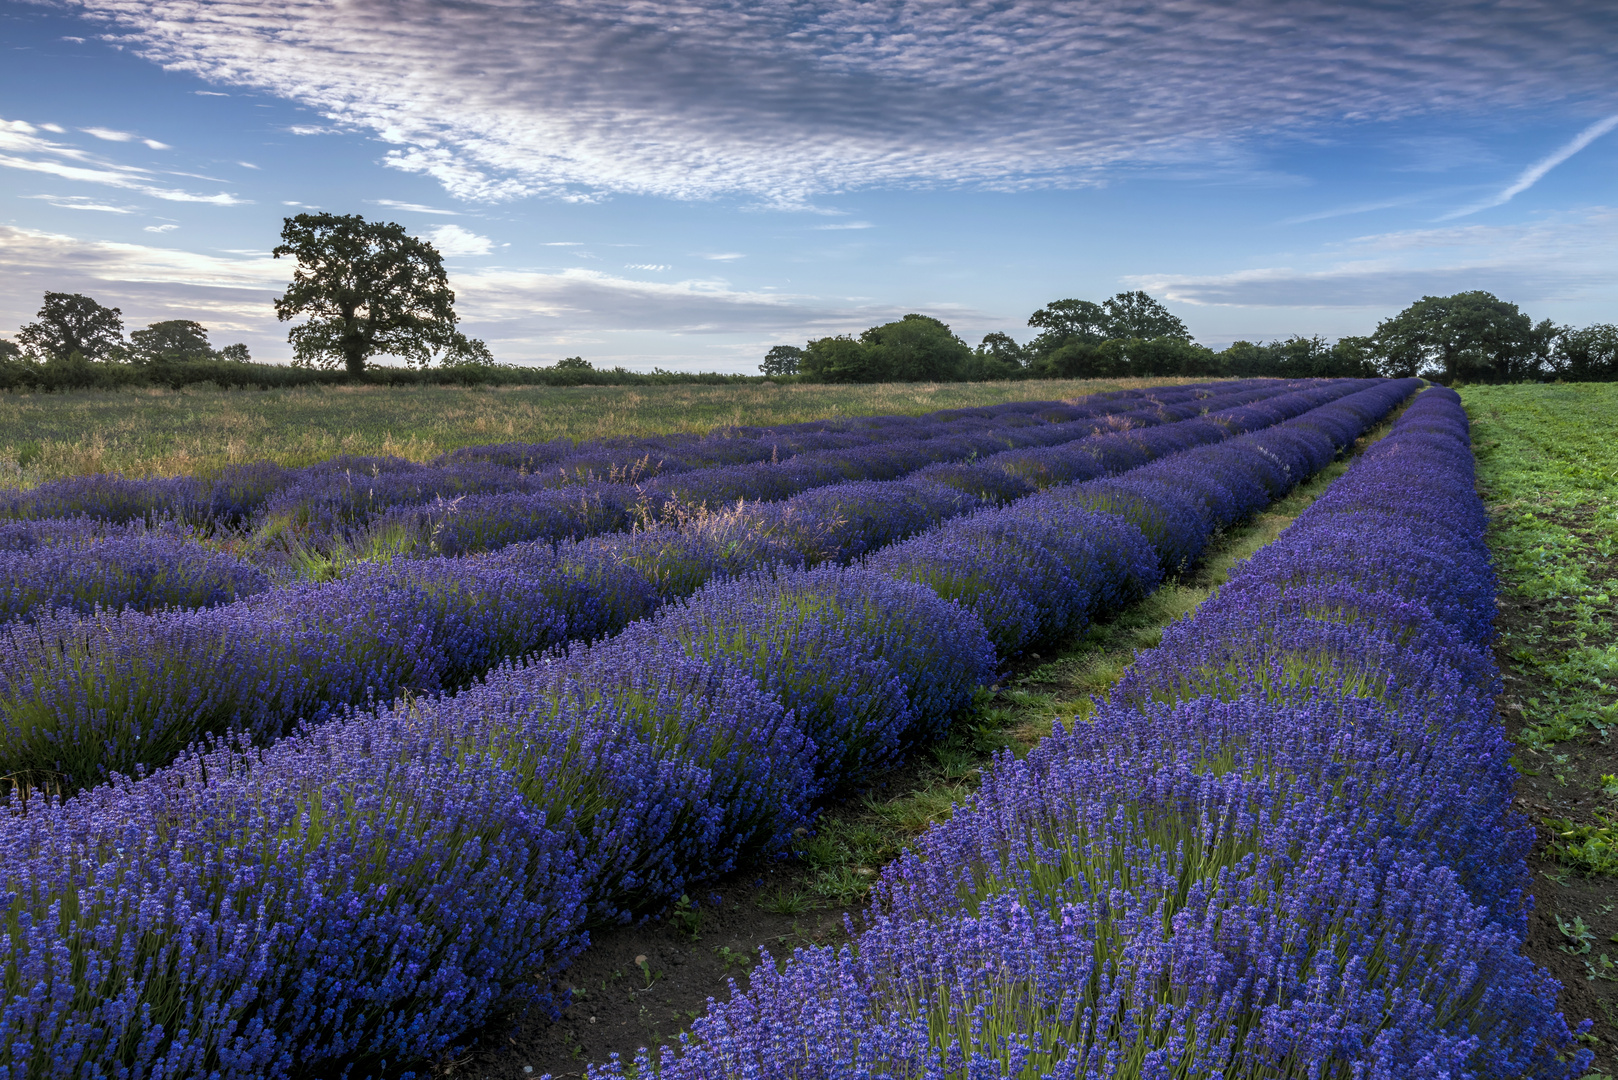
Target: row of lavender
point(348, 488)
point(83, 696)
point(1285, 847)
point(93, 560)
point(366, 892)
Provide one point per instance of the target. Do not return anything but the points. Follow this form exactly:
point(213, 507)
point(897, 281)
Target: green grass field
point(172, 433)
point(1548, 470)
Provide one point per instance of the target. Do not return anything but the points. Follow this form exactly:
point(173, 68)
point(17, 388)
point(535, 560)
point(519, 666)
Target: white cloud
point(1536, 172)
point(80, 202)
point(57, 129)
point(229, 295)
point(233, 293)
point(247, 165)
point(646, 266)
point(109, 134)
point(725, 256)
point(787, 98)
point(209, 93)
point(1567, 258)
point(454, 241)
point(161, 228)
point(22, 148)
point(415, 208)
point(848, 225)
point(155, 145)
point(1355, 208)
point(580, 300)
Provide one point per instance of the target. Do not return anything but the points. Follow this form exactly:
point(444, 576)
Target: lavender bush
point(81, 699)
point(868, 665)
point(362, 894)
point(139, 570)
point(1285, 847)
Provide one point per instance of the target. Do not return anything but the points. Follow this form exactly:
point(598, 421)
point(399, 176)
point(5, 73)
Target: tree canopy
point(369, 289)
point(1068, 321)
point(73, 324)
point(782, 360)
point(916, 348)
point(172, 340)
point(1589, 354)
point(1472, 335)
point(179, 341)
point(1137, 315)
point(1074, 331)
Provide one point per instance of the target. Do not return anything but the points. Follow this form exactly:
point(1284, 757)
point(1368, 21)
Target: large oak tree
point(71, 323)
point(1474, 336)
point(369, 289)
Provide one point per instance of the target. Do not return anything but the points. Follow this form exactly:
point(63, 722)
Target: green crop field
point(1548, 469)
point(170, 433)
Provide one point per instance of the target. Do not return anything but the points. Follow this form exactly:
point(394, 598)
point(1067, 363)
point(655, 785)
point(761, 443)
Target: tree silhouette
point(369, 289)
point(73, 323)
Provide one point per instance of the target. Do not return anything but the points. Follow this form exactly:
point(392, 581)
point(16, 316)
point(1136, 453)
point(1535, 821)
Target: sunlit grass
point(152, 432)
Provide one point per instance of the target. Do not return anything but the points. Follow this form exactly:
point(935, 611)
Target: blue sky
point(644, 182)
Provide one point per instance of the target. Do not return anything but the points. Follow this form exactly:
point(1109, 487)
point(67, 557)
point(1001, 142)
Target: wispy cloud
point(22, 148)
point(110, 135)
point(234, 293)
point(161, 228)
point(1535, 172)
point(786, 99)
point(80, 202)
point(724, 256)
point(1355, 208)
point(149, 283)
point(592, 300)
point(414, 208)
point(847, 225)
point(1566, 257)
point(647, 266)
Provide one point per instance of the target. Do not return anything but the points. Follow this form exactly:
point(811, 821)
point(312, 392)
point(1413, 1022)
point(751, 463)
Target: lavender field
point(324, 770)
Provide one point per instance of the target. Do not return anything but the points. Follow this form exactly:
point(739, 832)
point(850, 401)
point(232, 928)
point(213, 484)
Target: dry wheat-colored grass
point(151, 432)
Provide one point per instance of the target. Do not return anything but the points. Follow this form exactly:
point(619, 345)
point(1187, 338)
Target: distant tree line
point(368, 288)
point(365, 289)
point(78, 344)
point(1470, 337)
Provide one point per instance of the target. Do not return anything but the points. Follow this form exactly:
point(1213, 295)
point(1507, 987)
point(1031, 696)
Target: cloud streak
point(783, 99)
point(1535, 172)
point(1562, 259)
point(22, 148)
point(518, 310)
